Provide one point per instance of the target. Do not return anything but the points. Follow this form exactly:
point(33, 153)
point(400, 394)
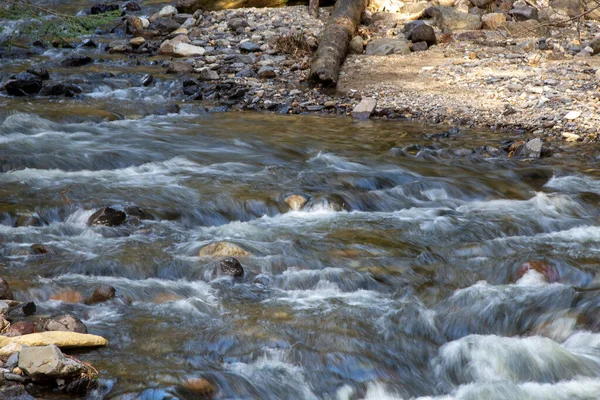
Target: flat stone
point(387, 46)
point(571, 115)
point(138, 41)
point(61, 339)
point(249, 47)
point(188, 50)
point(208, 75)
point(364, 109)
point(223, 249)
point(47, 362)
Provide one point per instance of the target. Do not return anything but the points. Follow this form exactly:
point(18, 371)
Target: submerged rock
point(68, 296)
point(540, 266)
point(232, 267)
point(40, 248)
point(101, 294)
point(295, 202)
point(61, 89)
point(28, 220)
point(76, 61)
point(107, 216)
point(140, 213)
point(223, 249)
point(39, 71)
point(5, 292)
point(48, 363)
point(200, 387)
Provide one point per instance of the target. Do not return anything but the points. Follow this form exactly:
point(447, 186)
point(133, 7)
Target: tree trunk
point(333, 46)
point(313, 8)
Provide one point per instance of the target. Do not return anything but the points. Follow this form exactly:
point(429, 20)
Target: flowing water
point(399, 279)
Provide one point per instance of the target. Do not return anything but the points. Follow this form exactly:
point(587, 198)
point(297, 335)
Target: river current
point(399, 279)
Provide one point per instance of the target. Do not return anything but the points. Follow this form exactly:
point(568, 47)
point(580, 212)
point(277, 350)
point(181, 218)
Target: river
point(401, 278)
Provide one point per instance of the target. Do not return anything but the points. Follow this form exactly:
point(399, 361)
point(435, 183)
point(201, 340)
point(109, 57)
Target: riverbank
point(259, 59)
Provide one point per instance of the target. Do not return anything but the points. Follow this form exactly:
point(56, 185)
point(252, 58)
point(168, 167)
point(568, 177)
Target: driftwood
point(333, 46)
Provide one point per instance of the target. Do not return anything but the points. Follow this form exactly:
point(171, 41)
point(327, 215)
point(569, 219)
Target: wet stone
point(232, 267)
point(76, 61)
point(107, 216)
point(101, 294)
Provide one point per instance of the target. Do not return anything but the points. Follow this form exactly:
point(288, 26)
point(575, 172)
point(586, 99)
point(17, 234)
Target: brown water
point(398, 280)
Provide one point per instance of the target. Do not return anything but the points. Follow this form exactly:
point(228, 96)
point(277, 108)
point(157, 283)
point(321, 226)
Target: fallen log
point(333, 45)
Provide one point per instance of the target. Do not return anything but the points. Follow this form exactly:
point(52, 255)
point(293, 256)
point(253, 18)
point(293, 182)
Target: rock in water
point(64, 323)
point(61, 339)
point(40, 248)
point(232, 267)
point(23, 84)
point(39, 71)
point(531, 149)
point(200, 387)
point(107, 216)
point(386, 46)
point(28, 220)
point(223, 249)
point(365, 108)
point(5, 292)
point(48, 363)
point(101, 294)
point(295, 202)
point(138, 212)
point(76, 61)
point(540, 266)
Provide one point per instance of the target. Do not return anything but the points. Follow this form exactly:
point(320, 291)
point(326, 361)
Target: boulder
point(450, 18)
point(48, 363)
point(118, 46)
point(132, 7)
point(387, 46)
point(423, 33)
point(409, 27)
point(107, 216)
point(356, 45)
point(101, 294)
point(493, 21)
point(23, 84)
point(223, 249)
point(63, 323)
point(164, 26)
point(167, 11)
point(188, 50)
point(295, 202)
point(180, 67)
point(134, 25)
point(61, 89)
point(168, 46)
point(28, 220)
point(187, 6)
point(5, 292)
point(39, 71)
point(76, 61)
point(61, 339)
point(232, 267)
point(524, 13)
point(531, 149)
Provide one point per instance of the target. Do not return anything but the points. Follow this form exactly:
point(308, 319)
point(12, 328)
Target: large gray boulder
point(48, 363)
point(387, 46)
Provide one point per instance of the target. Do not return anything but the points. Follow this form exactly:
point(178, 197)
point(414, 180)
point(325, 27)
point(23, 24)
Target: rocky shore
point(503, 65)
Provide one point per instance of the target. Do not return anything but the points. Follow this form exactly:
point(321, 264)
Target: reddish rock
point(21, 328)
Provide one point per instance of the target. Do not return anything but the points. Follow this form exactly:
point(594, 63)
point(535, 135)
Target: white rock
point(145, 22)
point(167, 11)
point(570, 137)
point(364, 109)
point(188, 50)
point(571, 115)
